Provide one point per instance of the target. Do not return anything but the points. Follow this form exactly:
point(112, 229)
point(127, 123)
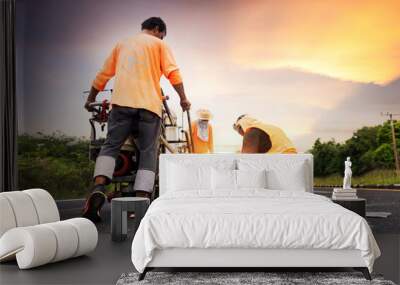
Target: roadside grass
point(374, 177)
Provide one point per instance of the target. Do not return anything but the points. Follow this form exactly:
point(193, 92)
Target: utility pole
point(396, 154)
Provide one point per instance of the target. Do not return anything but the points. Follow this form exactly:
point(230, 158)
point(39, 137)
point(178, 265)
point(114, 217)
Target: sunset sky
point(314, 68)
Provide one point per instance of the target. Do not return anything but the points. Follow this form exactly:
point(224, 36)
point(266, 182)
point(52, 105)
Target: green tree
point(367, 161)
point(383, 156)
point(385, 134)
point(327, 157)
point(362, 141)
point(370, 148)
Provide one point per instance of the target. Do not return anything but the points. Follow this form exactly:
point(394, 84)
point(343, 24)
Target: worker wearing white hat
point(202, 132)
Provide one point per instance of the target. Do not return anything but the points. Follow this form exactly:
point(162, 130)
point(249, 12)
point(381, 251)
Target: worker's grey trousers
point(122, 122)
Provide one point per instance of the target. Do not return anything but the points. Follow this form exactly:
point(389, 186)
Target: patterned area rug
point(243, 278)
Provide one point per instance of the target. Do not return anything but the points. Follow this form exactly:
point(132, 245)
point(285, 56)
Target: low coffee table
point(119, 215)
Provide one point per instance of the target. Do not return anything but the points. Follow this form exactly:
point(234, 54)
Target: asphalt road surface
point(378, 200)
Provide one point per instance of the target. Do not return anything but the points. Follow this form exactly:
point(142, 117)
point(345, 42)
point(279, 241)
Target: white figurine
point(347, 174)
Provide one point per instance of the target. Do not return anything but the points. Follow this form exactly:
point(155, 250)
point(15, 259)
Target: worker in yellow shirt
point(202, 133)
point(259, 137)
point(137, 64)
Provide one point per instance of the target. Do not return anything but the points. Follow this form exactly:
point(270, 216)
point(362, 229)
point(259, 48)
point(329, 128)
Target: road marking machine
point(174, 138)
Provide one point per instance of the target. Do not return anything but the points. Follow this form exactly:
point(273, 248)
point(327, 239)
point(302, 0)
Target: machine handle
point(97, 103)
point(166, 107)
point(105, 90)
point(190, 132)
point(167, 145)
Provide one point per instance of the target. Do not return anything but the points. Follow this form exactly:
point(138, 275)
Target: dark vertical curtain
point(8, 143)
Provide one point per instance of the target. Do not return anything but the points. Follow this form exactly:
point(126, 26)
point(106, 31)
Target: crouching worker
point(202, 133)
point(259, 137)
point(137, 64)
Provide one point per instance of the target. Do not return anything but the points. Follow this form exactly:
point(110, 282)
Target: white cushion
point(188, 177)
point(87, 235)
point(195, 167)
point(34, 244)
point(287, 177)
point(45, 205)
point(67, 240)
point(223, 179)
point(26, 208)
point(7, 218)
point(40, 244)
point(281, 174)
point(230, 160)
point(251, 178)
point(23, 208)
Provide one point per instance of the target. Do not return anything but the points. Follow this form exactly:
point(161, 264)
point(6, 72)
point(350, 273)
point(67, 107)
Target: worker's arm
point(103, 76)
point(91, 98)
point(210, 140)
point(185, 104)
point(256, 141)
point(108, 69)
point(171, 71)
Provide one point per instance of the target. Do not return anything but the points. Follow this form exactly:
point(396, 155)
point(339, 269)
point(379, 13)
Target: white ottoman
point(31, 230)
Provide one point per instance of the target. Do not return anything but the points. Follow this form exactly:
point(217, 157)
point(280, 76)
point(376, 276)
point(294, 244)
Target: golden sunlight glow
point(351, 40)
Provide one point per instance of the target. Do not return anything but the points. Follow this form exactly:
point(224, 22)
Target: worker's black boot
point(94, 203)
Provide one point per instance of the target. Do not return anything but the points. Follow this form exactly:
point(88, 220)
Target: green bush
point(327, 157)
point(383, 156)
point(370, 148)
point(57, 163)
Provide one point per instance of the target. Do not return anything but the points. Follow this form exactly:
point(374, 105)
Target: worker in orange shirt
point(137, 64)
point(202, 133)
point(259, 137)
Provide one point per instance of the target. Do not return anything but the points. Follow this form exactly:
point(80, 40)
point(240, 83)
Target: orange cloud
point(351, 40)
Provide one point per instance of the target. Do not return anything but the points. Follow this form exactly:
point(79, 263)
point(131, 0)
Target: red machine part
point(123, 164)
point(103, 112)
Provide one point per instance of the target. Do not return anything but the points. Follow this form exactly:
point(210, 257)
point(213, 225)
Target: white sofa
point(31, 231)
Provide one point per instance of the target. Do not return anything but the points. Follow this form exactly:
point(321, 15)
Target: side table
point(119, 215)
point(357, 205)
